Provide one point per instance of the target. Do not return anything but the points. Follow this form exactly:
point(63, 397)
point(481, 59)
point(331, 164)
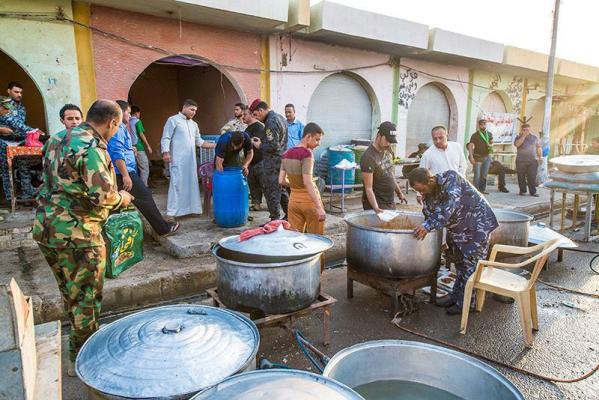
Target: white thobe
point(180, 138)
point(438, 161)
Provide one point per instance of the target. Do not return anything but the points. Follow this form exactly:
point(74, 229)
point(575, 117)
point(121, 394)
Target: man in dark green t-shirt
point(137, 131)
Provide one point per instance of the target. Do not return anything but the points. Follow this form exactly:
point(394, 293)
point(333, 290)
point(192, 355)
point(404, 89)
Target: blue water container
point(335, 176)
point(230, 198)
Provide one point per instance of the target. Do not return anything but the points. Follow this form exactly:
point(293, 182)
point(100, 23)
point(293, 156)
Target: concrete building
point(346, 76)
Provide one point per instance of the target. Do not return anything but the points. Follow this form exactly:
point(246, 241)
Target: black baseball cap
point(389, 130)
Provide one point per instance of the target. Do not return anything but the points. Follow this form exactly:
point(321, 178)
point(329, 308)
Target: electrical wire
point(60, 17)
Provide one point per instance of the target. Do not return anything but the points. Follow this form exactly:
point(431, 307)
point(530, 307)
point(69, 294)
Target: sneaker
point(503, 190)
point(453, 310)
point(174, 228)
point(445, 302)
point(534, 194)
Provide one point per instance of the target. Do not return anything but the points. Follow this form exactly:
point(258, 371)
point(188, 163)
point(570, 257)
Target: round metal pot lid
point(280, 385)
point(167, 351)
point(281, 243)
point(576, 163)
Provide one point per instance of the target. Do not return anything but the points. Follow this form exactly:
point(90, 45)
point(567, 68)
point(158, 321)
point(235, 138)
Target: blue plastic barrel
point(335, 176)
point(230, 198)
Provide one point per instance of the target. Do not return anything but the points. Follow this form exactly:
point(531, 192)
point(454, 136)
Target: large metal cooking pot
point(169, 352)
point(278, 384)
point(274, 273)
point(576, 163)
point(401, 360)
point(390, 249)
point(512, 230)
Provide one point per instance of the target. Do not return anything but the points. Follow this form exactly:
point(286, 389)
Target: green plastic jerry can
point(123, 233)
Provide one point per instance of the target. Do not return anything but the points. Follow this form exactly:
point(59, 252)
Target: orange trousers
point(302, 214)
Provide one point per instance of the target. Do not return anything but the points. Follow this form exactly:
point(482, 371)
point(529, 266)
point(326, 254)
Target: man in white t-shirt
point(444, 155)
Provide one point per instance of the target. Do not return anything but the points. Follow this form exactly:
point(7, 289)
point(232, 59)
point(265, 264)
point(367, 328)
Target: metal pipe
point(550, 72)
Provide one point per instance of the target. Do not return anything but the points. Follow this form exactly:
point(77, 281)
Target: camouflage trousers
point(79, 273)
point(465, 265)
point(22, 167)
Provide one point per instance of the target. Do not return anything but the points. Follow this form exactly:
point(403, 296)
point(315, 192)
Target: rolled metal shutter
point(428, 109)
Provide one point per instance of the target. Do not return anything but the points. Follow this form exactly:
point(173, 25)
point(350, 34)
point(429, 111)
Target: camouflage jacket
point(79, 190)
point(275, 131)
point(460, 208)
point(15, 120)
point(233, 125)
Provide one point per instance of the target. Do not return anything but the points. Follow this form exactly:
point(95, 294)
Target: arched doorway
point(344, 109)
point(494, 103)
point(430, 107)
point(32, 97)
point(162, 87)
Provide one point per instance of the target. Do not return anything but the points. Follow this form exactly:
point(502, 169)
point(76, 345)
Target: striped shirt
point(297, 161)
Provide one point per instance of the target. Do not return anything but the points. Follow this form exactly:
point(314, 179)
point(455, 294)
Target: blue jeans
point(481, 170)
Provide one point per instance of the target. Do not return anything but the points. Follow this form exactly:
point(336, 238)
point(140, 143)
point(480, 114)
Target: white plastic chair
point(489, 278)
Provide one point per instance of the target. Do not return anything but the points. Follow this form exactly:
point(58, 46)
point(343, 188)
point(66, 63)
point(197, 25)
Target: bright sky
point(520, 23)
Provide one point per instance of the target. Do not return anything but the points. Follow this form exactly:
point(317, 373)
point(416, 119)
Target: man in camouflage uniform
point(273, 146)
point(13, 128)
point(451, 202)
point(78, 193)
point(236, 124)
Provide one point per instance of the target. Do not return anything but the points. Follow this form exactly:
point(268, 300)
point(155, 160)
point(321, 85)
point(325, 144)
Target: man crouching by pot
point(451, 202)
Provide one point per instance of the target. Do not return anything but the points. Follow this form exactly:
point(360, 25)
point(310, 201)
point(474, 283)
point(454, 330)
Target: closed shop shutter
point(428, 109)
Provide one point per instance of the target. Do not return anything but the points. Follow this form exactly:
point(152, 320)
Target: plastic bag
point(123, 233)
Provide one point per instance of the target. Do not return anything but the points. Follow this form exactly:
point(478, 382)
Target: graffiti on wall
point(514, 91)
point(407, 87)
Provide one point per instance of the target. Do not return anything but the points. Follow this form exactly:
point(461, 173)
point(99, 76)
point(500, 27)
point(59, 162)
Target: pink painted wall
point(118, 64)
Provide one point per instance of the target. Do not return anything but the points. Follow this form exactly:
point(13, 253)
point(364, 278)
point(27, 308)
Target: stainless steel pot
point(275, 273)
point(576, 163)
point(439, 367)
point(169, 352)
point(374, 248)
point(512, 230)
point(273, 288)
point(278, 384)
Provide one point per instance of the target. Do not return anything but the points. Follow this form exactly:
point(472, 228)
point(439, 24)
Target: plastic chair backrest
point(540, 259)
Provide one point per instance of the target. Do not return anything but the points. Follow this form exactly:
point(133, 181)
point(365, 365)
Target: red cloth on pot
point(266, 229)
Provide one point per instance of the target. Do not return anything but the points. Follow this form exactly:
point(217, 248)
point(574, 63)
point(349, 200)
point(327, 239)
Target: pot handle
point(310, 351)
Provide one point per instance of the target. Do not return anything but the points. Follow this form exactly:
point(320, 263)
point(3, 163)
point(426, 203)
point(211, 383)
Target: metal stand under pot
point(387, 257)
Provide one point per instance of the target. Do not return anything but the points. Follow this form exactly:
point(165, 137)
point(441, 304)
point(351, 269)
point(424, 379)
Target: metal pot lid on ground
point(281, 243)
point(167, 352)
point(278, 385)
point(576, 163)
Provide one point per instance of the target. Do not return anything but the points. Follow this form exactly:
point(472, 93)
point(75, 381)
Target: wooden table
point(11, 153)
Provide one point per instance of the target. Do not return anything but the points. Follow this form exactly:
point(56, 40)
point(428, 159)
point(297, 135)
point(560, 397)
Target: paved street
point(565, 346)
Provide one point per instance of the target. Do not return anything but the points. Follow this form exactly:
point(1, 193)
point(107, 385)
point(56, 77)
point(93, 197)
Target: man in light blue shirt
point(295, 128)
point(120, 149)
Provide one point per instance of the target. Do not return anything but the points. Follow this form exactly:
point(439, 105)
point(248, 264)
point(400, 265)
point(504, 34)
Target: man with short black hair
point(236, 124)
point(70, 116)
point(273, 145)
point(528, 158)
point(78, 194)
point(255, 129)
point(228, 149)
point(480, 149)
point(123, 158)
point(180, 137)
point(13, 130)
point(378, 171)
point(306, 211)
point(137, 130)
point(295, 127)
point(453, 203)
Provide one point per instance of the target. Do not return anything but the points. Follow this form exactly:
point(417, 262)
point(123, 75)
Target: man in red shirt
point(306, 211)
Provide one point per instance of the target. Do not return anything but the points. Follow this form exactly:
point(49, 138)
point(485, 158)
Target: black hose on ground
point(513, 368)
